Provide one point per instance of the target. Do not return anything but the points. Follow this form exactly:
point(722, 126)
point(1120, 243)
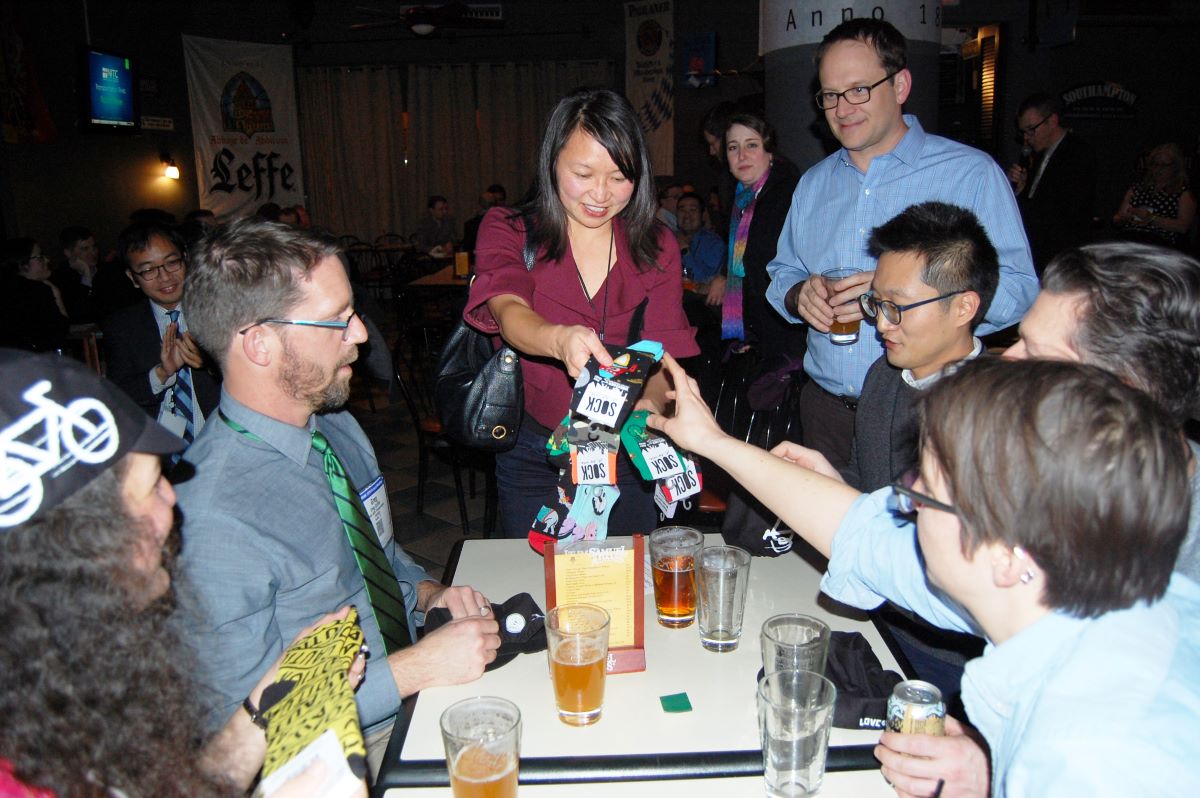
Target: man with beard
point(95, 696)
point(288, 512)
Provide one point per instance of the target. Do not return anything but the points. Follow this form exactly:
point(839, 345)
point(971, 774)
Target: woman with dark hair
point(1047, 515)
point(96, 699)
point(600, 260)
point(1160, 208)
point(34, 316)
point(765, 182)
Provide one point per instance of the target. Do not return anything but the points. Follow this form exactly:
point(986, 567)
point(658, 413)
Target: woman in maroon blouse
point(599, 254)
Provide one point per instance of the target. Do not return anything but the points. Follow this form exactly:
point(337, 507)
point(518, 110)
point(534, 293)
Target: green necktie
point(382, 588)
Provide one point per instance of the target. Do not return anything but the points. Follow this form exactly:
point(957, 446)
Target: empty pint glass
point(794, 642)
point(723, 576)
point(795, 710)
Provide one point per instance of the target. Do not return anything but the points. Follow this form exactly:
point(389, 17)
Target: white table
point(721, 687)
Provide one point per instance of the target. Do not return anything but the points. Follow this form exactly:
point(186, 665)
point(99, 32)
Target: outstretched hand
point(575, 344)
point(692, 425)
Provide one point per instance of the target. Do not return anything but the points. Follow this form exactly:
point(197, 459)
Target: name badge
point(173, 422)
point(375, 500)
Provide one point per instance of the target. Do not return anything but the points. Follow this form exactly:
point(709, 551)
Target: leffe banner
point(242, 98)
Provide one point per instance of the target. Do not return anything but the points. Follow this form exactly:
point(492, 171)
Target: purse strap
point(528, 250)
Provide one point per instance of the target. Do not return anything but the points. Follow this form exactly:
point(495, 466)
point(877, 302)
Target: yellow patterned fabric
point(312, 694)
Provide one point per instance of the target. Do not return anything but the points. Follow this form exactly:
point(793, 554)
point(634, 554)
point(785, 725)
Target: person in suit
point(151, 355)
point(1056, 190)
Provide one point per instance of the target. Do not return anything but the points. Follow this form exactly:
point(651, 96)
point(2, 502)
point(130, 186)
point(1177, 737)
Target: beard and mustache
point(305, 381)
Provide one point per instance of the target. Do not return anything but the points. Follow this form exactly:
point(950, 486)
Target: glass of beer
point(673, 552)
point(483, 743)
point(577, 643)
point(842, 333)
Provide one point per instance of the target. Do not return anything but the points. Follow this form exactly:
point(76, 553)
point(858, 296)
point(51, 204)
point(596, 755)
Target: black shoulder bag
point(479, 392)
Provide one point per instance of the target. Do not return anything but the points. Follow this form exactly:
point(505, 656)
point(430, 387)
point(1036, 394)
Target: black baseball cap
point(61, 426)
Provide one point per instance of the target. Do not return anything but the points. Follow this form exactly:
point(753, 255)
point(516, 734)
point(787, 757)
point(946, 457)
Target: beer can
point(916, 707)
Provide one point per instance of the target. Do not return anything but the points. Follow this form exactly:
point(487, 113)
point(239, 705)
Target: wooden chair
point(414, 386)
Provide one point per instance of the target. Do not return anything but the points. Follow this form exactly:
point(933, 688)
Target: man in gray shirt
point(1132, 310)
point(275, 536)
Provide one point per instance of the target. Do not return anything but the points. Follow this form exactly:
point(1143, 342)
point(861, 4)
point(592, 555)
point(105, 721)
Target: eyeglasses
point(170, 266)
point(872, 307)
point(344, 326)
point(1025, 131)
point(42, 258)
point(906, 501)
point(855, 95)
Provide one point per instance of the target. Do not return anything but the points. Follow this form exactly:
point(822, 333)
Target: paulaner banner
point(243, 103)
point(649, 81)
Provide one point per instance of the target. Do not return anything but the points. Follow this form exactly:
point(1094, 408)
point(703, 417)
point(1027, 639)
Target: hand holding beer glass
point(577, 644)
point(483, 743)
point(673, 553)
point(843, 287)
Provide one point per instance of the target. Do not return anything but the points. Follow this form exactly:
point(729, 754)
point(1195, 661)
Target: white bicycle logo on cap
point(33, 445)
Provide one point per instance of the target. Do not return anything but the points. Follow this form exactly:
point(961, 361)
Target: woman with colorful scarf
point(765, 182)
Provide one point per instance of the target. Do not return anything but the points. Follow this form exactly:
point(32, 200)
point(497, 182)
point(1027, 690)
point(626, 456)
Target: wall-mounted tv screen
point(108, 91)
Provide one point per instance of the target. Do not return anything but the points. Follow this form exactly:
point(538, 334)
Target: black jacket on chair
point(132, 346)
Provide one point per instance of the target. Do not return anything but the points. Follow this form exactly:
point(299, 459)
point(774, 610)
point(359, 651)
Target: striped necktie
point(182, 392)
point(382, 588)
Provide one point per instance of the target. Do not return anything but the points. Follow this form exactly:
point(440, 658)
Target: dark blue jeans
point(527, 481)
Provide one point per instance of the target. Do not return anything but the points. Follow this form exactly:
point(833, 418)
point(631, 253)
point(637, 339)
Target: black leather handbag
point(479, 391)
point(480, 395)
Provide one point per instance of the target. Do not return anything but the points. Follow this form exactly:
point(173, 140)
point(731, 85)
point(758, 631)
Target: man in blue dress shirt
point(887, 162)
point(269, 548)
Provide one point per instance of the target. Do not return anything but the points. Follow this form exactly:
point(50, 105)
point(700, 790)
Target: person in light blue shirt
point(1049, 507)
point(703, 251)
point(887, 163)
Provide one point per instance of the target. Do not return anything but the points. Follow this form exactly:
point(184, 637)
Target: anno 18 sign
point(243, 105)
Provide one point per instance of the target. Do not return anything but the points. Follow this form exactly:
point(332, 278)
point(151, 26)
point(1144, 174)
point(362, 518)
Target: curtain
point(377, 141)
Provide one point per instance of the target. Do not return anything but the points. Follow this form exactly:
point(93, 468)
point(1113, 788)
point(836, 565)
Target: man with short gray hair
point(288, 514)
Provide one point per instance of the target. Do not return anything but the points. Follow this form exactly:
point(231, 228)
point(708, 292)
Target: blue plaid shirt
point(836, 206)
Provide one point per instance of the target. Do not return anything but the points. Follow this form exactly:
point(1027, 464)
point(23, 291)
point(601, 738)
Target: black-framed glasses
point(872, 307)
point(855, 95)
point(344, 326)
point(1026, 131)
point(906, 501)
point(170, 266)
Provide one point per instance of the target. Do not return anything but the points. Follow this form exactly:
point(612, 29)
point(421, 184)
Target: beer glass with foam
point(577, 644)
point(482, 736)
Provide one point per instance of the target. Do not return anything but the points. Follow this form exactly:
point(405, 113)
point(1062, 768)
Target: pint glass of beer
point(842, 333)
point(673, 553)
point(483, 743)
point(577, 643)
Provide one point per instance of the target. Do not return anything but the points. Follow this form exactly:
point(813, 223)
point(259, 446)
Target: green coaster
point(675, 703)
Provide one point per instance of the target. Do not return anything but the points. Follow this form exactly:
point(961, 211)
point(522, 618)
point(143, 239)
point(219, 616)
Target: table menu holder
point(610, 574)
